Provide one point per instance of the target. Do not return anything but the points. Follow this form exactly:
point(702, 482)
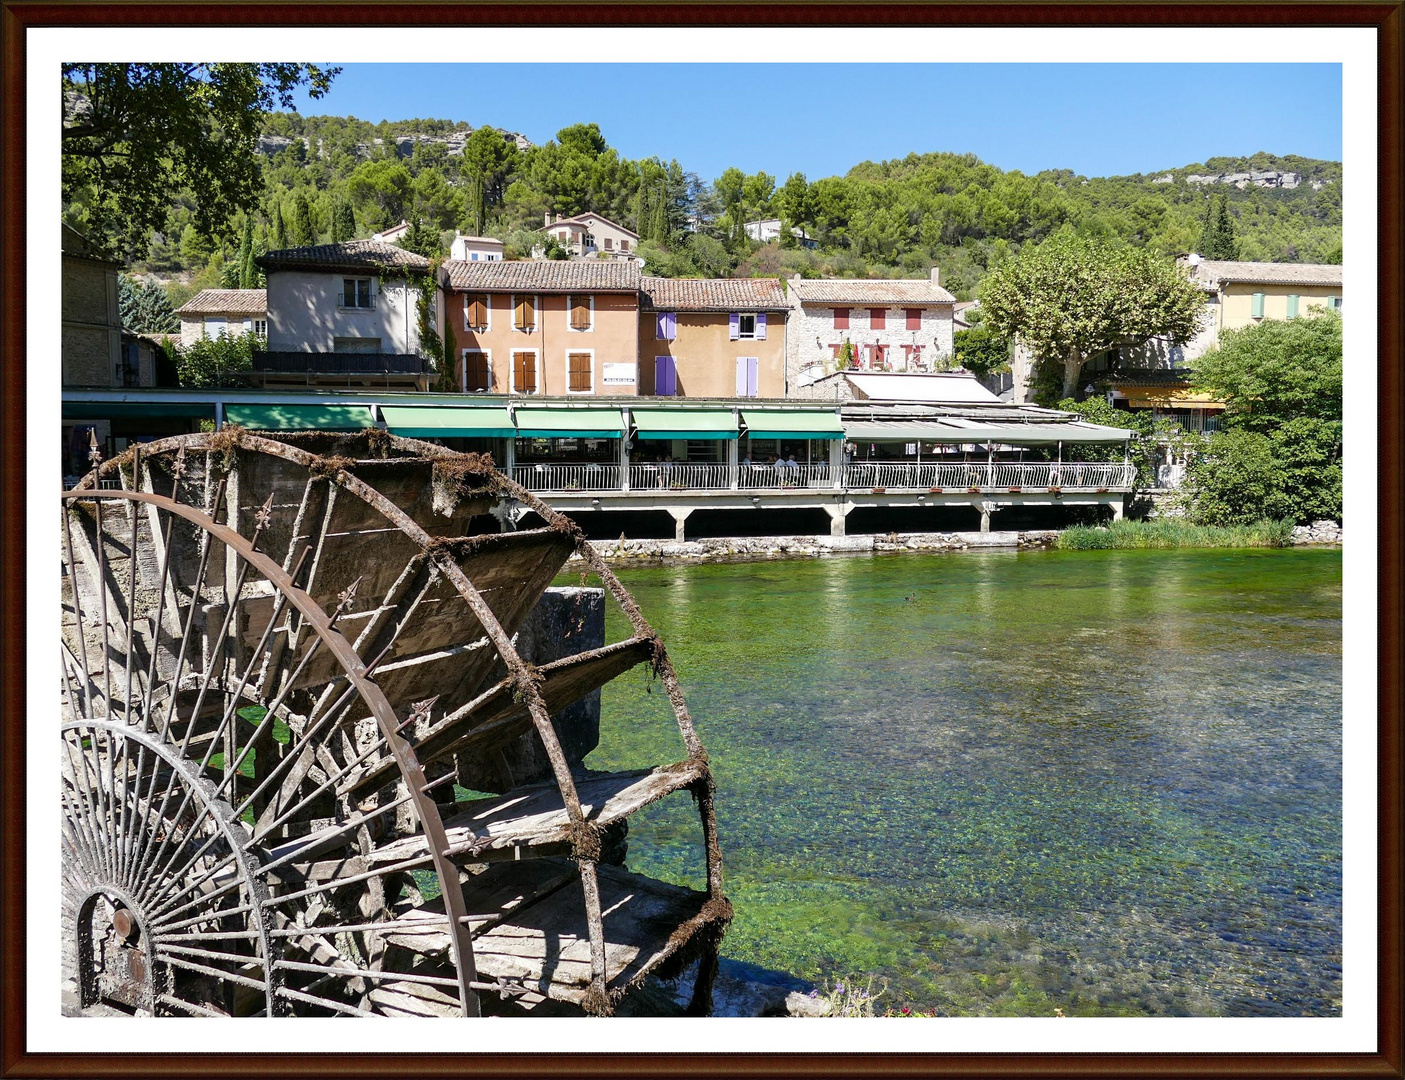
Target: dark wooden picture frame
point(17, 17)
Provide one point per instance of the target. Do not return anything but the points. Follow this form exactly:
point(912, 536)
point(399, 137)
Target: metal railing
point(584, 476)
point(859, 476)
point(356, 302)
point(347, 363)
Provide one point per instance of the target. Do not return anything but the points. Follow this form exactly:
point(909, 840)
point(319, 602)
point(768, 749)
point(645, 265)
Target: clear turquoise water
point(1106, 782)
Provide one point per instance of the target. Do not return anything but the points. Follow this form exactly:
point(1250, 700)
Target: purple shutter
point(761, 326)
point(665, 377)
point(672, 325)
point(751, 376)
point(735, 326)
point(742, 377)
point(661, 326)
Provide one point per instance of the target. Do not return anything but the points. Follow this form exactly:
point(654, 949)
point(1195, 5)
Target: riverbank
point(744, 548)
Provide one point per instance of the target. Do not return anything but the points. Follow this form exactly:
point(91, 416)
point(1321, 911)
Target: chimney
point(936, 275)
point(547, 216)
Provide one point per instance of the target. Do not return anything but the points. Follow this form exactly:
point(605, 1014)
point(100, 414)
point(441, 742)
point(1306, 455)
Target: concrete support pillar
point(986, 507)
point(680, 515)
point(836, 462)
point(837, 513)
point(733, 460)
point(509, 457)
point(624, 462)
point(1117, 509)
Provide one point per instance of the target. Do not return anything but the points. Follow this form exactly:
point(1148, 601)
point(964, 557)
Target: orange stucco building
point(716, 338)
point(542, 327)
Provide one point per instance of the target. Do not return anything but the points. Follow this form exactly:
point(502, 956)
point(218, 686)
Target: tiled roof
point(543, 275)
point(220, 301)
point(1149, 377)
point(1212, 272)
point(581, 219)
point(716, 294)
point(370, 255)
point(871, 291)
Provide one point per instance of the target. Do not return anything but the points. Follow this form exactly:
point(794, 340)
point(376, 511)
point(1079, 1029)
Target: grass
point(1176, 534)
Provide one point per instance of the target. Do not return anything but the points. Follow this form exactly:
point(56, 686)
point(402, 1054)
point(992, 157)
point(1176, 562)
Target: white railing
point(585, 476)
point(858, 476)
point(1086, 475)
point(760, 477)
point(680, 476)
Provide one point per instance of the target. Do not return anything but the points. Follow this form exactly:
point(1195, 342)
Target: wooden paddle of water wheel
point(281, 657)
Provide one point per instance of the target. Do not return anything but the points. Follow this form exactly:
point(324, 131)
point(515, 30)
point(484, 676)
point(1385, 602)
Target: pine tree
point(302, 233)
point(246, 254)
point(1217, 239)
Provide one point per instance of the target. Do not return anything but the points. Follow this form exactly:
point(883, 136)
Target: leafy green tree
point(280, 227)
point(145, 308)
point(1217, 239)
point(1072, 299)
point(380, 192)
point(981, 350)
point(246, 254)
point(423, 240)
point(300, 229)
point(1237, 480)
point(220, 361)
point(136, 135)
point(487, 158)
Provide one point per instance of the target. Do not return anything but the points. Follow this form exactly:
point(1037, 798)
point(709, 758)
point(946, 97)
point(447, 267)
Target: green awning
point(968, 431)
point(299, 417)
point(469, 422)
point(567, 423)
point(685, 423)
point(144, 410)
point(793, 424)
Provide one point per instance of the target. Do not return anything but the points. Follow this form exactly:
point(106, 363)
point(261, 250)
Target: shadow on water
point(1105, 782)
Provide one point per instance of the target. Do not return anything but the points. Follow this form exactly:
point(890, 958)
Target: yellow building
point(1245, 293)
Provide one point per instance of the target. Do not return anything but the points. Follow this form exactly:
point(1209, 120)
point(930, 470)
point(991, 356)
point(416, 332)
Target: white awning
point(957, 388)
point(957, 430)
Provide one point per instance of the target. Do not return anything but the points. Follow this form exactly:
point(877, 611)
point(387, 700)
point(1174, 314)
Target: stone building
point(213, 313)
point(90, 349)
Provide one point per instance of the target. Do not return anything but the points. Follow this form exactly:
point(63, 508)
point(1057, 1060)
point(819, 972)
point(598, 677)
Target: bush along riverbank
point(1176, 534)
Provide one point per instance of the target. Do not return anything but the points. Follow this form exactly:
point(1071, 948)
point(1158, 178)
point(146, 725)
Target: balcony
point(859, 477)
point(323, 363)
point(355, 302)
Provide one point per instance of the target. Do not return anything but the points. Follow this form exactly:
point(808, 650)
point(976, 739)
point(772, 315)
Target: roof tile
point(220, 301)
point(370, 255)
point(543, 275)
point(716, 294)
point(869, 291)
point(1212, 272)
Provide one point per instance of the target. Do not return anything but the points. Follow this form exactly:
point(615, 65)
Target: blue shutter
point(735, 327)
point(1292, 306)
point(665, 376)
point(761, 326)
point(1257, 310)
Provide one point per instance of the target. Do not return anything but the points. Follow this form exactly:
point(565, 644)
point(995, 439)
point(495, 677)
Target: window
point(747, 375)
point(1257, 310)
point(214, 326)
point(665, 326)
point(563, 235)
point(524, 313)
point(665, 376)
point(524, 372)
point(880, 357)
point(475, 311)
point(1334, 302)
point(841, 318)
point(356, 293)
point(609, 244)
point(588, 241)
point(1292, 306)
point(476, 373)
point(580, 373)
point(747, 327)
point(581, 310)
point(877, 319)
point(914, 318)
point(473, 257)
point(624, 245)
point(261, 327)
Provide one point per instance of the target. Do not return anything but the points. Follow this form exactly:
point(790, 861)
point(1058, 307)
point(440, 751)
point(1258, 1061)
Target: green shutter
point(1258, 310)
point(1292, 306)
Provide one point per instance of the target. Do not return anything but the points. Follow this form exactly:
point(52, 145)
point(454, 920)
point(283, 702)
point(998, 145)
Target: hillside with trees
point(326, 178)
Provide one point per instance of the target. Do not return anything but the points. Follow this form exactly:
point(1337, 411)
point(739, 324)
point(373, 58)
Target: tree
point(300, 231)
point(145, 309)
point(280, 227)
point(1071, 299)
point(246, 255)
point(136, 135)
point(218, 361)
point(380, 191)
point(486, 156)
point(981, 350)
point(343, 221)
point(423, 240)
point(1217, 239)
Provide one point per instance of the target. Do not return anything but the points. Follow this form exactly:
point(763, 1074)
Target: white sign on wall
point(620, 373)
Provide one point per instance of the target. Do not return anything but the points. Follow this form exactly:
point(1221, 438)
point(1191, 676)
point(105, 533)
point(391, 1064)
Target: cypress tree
point(301, 233)
point(343, 222)
point(1217, 239)
point(246, 254)
point(280, 230)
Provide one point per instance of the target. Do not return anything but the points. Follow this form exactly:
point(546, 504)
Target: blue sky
point(821, 119)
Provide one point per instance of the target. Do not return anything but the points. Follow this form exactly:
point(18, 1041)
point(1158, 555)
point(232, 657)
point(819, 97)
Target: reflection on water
point(1106, 782)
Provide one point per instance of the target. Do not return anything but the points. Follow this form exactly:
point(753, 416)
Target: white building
point(213, 313)
point(476, 248)
point(592, 235)
point(337, 301)
point(768, 229)
point(892, 325)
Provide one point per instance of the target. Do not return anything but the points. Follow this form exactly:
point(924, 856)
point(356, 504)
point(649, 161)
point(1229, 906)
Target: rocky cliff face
point(404, 144)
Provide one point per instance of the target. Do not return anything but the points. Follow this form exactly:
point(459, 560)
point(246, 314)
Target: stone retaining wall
point(762, 547)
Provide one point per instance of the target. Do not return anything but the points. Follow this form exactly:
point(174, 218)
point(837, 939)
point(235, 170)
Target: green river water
point(1105, 782)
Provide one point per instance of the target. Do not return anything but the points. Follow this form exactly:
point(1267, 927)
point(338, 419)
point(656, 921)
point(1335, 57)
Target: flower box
point(677, 486)
point(934, 491)
point(1102, 491)
point(973, 490)
point(1015, 490)
point(1054, 489)
point(880, 491)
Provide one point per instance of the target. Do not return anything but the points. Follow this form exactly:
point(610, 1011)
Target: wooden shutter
point(1257, 311)
point(578, 373)
point(876, 319)
point(475, 309)
point(475, 372)
point(1292, 306)
point(752, 374)
point(841, 318)
point(524, 372)
point(914, 318)
point(525, 314)
point(666, 326)
point(580, 313)
point(761, 326)
point(734, 324)
point(741, 376)
point(665, 376)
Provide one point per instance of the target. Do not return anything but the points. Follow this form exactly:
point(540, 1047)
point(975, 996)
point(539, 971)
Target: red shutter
point(914, 318)
point(841, 318)
point(876, 320)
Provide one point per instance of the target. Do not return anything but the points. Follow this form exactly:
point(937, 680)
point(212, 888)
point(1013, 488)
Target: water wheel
point(288, 665)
